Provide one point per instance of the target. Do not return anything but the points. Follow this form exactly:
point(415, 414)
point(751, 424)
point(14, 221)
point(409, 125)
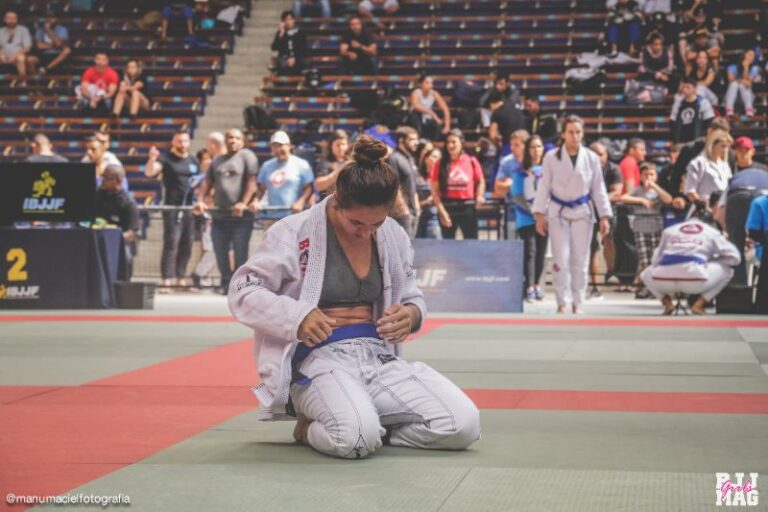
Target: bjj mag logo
point(737, 491)
point(43, 199)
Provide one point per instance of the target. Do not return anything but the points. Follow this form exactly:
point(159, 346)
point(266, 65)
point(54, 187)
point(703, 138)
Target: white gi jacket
point(559, 178)
point(280, 284)
point(705, 176)
point(692, 238)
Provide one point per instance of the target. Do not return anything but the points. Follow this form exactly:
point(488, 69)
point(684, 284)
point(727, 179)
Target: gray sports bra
point(341, 287)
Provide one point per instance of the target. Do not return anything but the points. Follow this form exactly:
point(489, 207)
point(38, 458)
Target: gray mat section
point(754, 334)
point(761, 352)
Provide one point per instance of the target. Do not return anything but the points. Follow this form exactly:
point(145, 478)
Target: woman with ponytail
point(330, 293)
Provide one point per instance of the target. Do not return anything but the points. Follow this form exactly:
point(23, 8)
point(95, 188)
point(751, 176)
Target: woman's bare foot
point(560, 309)
point(577, 310)
point(699, 307)
point(669, 305)
point(301, 429)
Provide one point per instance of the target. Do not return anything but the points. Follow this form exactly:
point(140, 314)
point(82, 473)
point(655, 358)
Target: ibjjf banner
point(470, 275)
point(55, 192)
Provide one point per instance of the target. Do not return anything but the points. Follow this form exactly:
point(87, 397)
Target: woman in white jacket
point(709, 172)
point(330, 293)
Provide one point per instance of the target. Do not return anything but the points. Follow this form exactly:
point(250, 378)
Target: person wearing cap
point(286, 179)
point(231, 182)
point(744, 149)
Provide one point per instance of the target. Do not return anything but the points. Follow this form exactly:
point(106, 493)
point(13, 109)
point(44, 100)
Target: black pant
point(736, 212)
point(625, 267)
point(534, 251)
point(235, 233)
point(463, 215)
point(178, 231)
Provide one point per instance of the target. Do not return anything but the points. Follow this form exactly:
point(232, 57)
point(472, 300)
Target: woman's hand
point(315, 328)
point(541, 224)
point(397, 322)
point(445, 219)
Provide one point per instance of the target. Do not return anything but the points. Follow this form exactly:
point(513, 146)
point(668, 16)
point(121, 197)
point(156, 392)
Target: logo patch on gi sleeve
point(386, 358)
point(303, 255)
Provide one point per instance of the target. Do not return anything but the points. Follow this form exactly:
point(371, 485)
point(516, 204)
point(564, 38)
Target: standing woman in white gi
point(571, 181)
point(329, 294)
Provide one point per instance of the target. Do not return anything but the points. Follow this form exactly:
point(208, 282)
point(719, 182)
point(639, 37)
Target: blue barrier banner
point(471, 276)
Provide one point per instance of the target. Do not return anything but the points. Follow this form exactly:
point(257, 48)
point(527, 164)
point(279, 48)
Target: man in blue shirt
point(51, 44)
point(508, 167)
point(757, 229)
point(287, 180)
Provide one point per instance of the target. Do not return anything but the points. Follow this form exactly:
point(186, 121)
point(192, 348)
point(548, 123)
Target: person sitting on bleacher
point(15, 44)
point(624, 25)
point(51, 45)
point(306, 8)
point(539, 123)
point(657, 61)
point(290, 43)
point(133, 89)
point(691, 114)
point(741, 76)
point(98, 85)
point(358, 49)
point(702, 71)
point(178, 21)
point(42, 151)
point(115, 205)
point(501, 91)
point(426, 102)
point(367, 8)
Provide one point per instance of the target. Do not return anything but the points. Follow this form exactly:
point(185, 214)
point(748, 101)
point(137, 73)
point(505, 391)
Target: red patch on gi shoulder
point(691, 229)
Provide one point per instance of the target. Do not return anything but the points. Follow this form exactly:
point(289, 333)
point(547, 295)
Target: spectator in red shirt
point(99, 84)
point(458, 185)
point(630, 165)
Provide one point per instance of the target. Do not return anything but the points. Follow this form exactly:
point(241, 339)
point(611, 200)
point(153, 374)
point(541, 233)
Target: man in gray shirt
point(15, 43)
point(231, 181)
point(42, 151)
point(406, 211)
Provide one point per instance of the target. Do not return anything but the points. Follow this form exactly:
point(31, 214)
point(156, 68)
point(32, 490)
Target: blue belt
point(674, 259)
point(570, 204)
point(340, 334)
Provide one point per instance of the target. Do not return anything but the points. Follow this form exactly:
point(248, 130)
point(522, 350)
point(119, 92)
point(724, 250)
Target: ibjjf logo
point(19, 292)
point(303, 255)
point(42, 200)
point(737, 491)
point(432, 277)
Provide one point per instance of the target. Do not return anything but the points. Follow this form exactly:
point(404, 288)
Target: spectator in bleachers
point(699, 39)
point(525, 183)
point(741, 76)
point(744, 150)
point(426, 102)
point(657, 61)
point(286, 179)
point(290, 43)
point(647, 223)
point(691, 114)
point(506, 119)
point(115, 205)
point(231, 181)
point(180, 173)
point(624, 26)
point(369, 8)
point(358, 49)
point(539, 123)
point(703, 72)
point(178, 21)
point(15, 45)
point(501, 91)
point(403, 161)
point(98, 85)
point(458, 186)
point(51, 45)
point(711, 10)
point(303, 8)
point(96, 153)
point(42, 151)
point(202, 17)
point(614, 185)
point(133, 88)
point(757, 230)
point(329, 167)
point(709, 172)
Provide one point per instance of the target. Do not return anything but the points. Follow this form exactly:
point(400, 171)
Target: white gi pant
point(570, 241)
point(357, 387)
point(715, 277)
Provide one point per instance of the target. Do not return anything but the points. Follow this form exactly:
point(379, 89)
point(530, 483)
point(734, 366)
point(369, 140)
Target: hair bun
point(368, 151)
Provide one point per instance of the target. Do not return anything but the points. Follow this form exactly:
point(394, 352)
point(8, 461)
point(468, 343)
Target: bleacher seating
point(468, 40)
point(179, 79)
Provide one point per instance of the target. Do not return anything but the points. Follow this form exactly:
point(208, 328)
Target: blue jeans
point(234, 233)
point(631, 30)
point(325, 7)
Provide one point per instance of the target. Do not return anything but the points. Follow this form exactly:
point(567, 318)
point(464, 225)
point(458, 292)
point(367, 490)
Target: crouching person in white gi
point(329, 294)
point(571, 181)
point(693, 258)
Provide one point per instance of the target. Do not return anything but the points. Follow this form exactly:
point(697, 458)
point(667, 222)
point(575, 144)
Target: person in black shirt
point(117, 206)
point(406, 210)
point(505, 119)
point(691, 114)
point(290, 43)
point(133, 89)
point(358, 49)
point(180, 173)
point(539, 123)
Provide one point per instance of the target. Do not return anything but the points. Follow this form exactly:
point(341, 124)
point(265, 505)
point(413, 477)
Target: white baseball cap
point(280, 137)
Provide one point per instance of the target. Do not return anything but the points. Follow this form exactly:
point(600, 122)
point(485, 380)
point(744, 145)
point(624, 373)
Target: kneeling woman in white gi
point(692, 258)
point(329, 294)
point(571, 181)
